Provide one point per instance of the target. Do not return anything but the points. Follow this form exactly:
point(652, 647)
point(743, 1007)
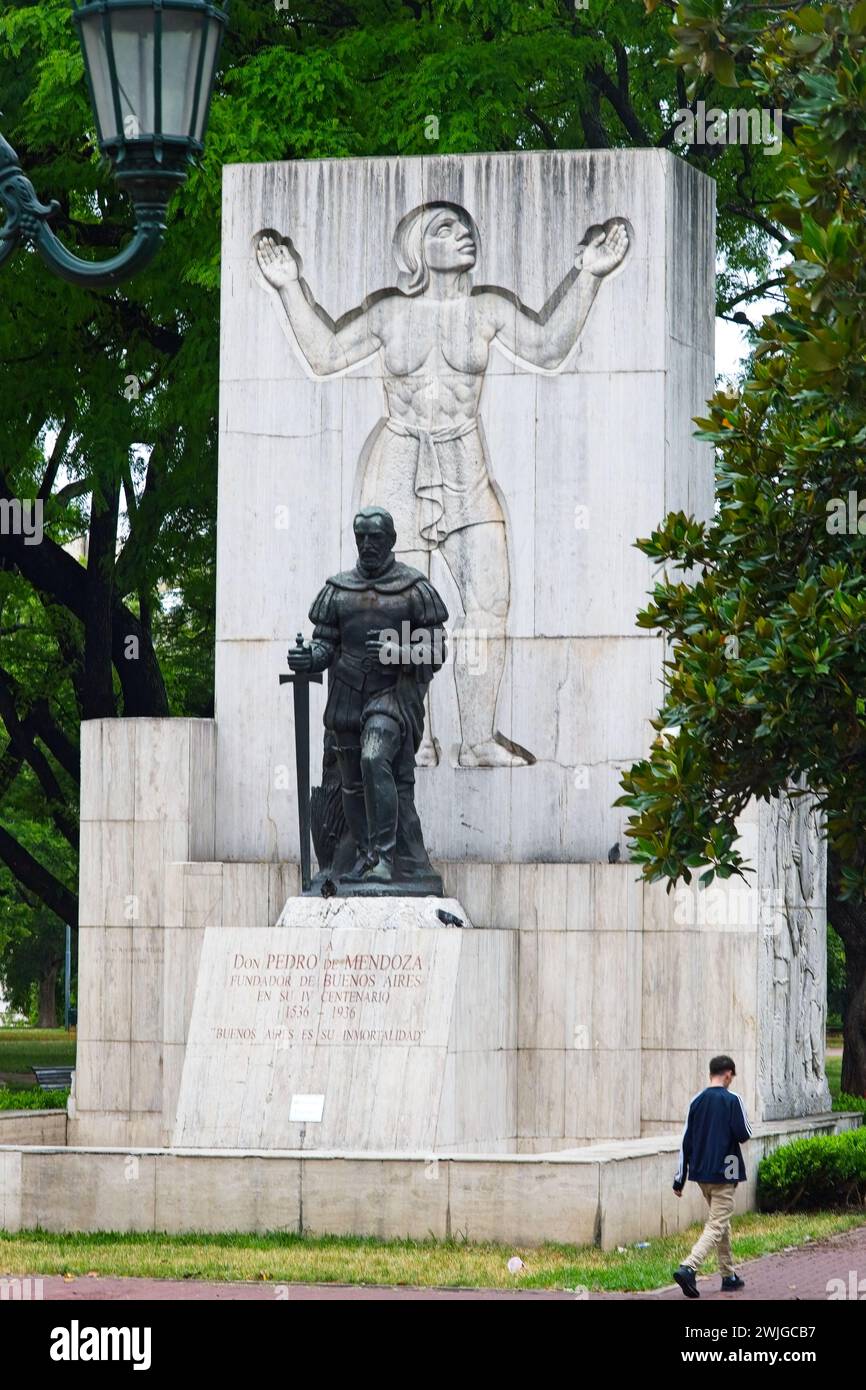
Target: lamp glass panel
point(181, 42)
point(132, 32)
point(214, 34)
point(100, 77)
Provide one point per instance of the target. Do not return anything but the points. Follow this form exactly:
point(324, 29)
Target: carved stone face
point(449, 243)
point(374, 542)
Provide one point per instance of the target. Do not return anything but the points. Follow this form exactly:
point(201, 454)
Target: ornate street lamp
point(150, 68)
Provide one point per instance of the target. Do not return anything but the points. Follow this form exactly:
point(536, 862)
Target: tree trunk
point(98, 628)
point(60, 577)
point(854, 1032)
point(849, 920)
point(48, 998)
point(37, 879)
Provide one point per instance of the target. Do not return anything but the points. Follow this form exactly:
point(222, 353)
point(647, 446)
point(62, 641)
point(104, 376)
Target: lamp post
point(150, 67)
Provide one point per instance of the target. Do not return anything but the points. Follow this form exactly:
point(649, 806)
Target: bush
point(828, 1171)
point(33, 1099)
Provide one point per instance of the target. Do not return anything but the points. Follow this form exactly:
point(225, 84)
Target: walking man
point(710, 1155)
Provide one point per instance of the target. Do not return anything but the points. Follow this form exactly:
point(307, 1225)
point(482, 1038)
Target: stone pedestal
point(361, 1024)
point(622, 990)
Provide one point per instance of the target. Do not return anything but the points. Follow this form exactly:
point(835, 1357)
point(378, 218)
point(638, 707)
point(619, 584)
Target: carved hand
point(300, 658)
point(604, 250)
point(276, 262)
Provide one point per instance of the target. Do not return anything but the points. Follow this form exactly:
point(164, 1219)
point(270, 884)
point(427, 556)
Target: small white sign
point(306, 1110)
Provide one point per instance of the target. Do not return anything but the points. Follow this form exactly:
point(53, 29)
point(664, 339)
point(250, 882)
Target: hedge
point(33, 1099)
point(828, 1171)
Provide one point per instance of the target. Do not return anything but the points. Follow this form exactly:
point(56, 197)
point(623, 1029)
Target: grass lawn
point(428, 1264)
point(21, 1048)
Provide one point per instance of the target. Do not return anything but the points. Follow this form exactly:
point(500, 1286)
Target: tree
point(32, 936)
point(767, 663)
point(35, 958)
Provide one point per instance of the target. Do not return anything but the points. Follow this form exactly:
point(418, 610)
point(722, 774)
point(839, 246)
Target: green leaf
point(725, 69)
point(811, 21)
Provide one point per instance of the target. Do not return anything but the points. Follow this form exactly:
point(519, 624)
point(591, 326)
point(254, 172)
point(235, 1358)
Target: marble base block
point(361, 1024)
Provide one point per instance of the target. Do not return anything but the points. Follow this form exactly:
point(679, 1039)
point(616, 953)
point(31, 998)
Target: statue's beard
point(374, 567)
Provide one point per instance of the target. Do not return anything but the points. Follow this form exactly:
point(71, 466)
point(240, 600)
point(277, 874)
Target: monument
point(513, 1059)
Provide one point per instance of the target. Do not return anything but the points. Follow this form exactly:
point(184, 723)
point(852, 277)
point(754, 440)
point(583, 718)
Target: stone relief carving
point(792, 876)
point(426, 458)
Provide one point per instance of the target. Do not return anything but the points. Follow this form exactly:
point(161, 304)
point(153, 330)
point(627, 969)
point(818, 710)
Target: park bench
point(53, 1078)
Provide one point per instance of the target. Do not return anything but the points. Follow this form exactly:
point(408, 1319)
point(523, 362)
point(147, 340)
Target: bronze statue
point(379, 631)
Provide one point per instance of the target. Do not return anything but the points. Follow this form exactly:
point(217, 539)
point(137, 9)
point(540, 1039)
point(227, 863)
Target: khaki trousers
point(720, 1197)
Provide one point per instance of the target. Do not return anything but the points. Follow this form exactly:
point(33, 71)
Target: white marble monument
point(506, 351)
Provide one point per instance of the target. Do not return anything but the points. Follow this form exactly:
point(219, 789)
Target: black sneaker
point(732, 1282)
point(685, 1277)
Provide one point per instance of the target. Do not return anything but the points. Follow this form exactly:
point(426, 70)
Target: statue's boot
point(359, 869)
point(380, 871)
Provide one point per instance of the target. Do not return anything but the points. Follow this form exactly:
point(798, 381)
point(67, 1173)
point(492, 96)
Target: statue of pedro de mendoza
point(378, 629)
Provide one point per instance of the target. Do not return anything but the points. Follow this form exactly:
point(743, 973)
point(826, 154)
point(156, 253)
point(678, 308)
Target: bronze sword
point(300, 683)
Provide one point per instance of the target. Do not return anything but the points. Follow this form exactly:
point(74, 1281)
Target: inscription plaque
point(359, 1009)
point(322, 998)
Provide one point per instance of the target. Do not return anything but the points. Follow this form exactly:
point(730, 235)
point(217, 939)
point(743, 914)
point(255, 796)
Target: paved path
point(793, 1275)
point(790, 1275)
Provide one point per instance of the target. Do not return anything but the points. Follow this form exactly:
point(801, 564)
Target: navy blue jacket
point(716, 1126)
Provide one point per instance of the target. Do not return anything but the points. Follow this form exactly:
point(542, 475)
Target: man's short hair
point(383, 519)
point(721, 1064)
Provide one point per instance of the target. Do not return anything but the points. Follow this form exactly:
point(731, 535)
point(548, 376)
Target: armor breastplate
point(360, 613)
point(367, 611)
